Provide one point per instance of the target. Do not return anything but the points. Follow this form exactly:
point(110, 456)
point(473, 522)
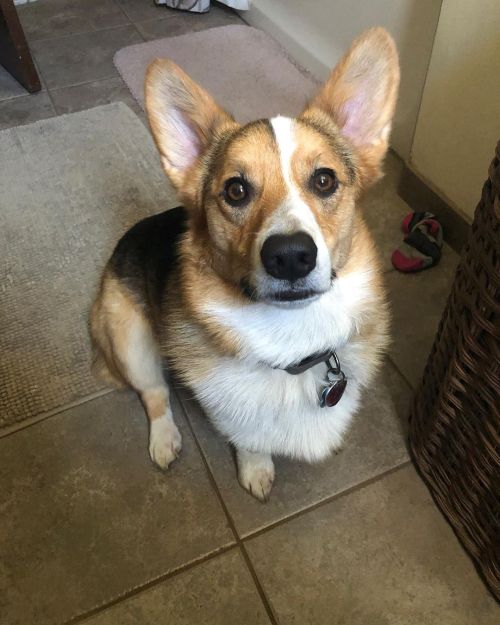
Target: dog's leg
point(143, 370)
point(124, 336)
point(164, 438)
point(255, 472)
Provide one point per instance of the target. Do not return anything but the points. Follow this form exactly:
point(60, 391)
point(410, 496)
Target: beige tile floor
point(91, 532)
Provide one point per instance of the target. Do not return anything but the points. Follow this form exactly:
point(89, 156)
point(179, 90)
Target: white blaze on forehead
point(284, 133)
point(294, 209)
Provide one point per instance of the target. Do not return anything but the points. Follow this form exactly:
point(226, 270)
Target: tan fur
point(221, 249)
point(116, 318)
point(190, 341)
point(110, 298)
point(169, 88)
point(217, 252)
point(155, 402)
point(231, 234)
point(373, 330)
point(371, 60)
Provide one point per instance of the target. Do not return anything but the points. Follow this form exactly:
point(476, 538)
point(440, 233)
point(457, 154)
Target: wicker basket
point(455, 417)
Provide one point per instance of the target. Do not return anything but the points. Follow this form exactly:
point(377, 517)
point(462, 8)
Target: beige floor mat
point(69, 187)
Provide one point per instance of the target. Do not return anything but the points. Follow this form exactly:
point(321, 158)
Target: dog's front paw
point(165, 442)
point(255, 473)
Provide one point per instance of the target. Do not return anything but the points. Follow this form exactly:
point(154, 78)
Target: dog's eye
point(324, 182)
point(236, 191)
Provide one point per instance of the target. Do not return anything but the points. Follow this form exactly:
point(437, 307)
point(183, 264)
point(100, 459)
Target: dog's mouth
point(293, 296)
point(288, 296)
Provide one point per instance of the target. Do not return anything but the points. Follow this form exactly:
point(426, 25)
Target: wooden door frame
point(15, 55)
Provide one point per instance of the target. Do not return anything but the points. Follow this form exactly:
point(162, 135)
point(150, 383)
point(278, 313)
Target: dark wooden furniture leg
point(14, 52)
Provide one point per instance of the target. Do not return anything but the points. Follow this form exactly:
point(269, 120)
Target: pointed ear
point(184, 118)
point(360, 96)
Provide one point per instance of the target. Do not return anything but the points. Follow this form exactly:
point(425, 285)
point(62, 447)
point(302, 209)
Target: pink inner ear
point(352, 113)
point(184, 142)
point(359, 124)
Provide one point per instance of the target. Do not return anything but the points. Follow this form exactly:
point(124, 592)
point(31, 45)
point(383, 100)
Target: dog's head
point(273, 201)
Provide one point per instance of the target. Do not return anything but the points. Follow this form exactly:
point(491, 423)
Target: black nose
point(289, 256)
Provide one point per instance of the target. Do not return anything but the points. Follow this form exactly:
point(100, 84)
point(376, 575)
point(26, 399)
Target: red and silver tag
point(335, 383)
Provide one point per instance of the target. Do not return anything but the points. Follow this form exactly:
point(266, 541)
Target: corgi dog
point(262, 292)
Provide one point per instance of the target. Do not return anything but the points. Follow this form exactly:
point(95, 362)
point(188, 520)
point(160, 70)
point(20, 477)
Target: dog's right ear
point(360, 97)
point(183, 117)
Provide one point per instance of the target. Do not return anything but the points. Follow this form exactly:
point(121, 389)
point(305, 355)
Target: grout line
point(175, 572)
point(161, 9)
point(260, 589)
point(403, 375)
point(283, 521)
point(80, 84)
point(41, 76)
point(129, 22)
point(9, 98)
point(324, 502)
point(239, 542)
point(50, 89)
point(13, 429)
point(84, 32)
point(207, 467)
point(52, 101)
point(119, 5)
point(134, 24)
point(87, 82)
point(137, 590)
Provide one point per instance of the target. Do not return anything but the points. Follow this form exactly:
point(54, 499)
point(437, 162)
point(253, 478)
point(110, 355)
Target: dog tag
point(332, 393)
point(335, 383)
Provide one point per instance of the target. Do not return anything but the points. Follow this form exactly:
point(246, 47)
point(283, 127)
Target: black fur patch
point(148, 252)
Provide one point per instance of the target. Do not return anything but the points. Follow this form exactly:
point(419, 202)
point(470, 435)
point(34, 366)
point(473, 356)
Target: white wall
point(317, 32)
point(459, 121)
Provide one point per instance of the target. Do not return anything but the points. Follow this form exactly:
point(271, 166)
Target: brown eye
point(236, 191)
point(324, 182)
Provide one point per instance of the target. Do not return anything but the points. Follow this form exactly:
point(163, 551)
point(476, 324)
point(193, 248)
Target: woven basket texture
point(455, 416)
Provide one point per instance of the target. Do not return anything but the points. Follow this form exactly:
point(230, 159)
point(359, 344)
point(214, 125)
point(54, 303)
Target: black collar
point(311, 361)
point(335, 381)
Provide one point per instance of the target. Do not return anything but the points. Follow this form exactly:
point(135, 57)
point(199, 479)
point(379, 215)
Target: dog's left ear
point(360, 96)
point(184, 119)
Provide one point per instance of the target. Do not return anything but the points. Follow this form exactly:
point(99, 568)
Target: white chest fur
point(268, 410)
point(281, 336)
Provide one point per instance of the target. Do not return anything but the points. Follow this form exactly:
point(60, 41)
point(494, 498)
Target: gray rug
point(246, 70)
point(69, 187)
